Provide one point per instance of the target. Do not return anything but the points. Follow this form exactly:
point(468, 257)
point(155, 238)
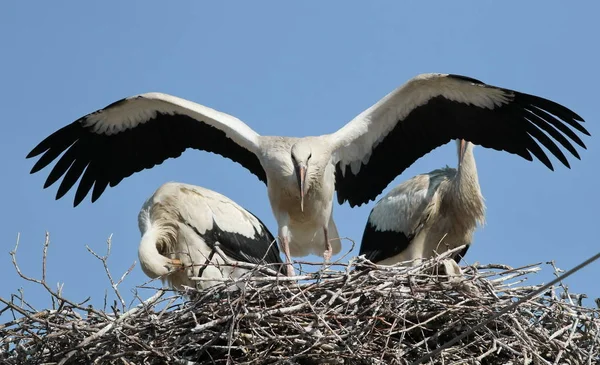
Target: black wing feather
point(103, 160)
point(260, 249)
point(548, 128)
point(509, 127)
point(379, 245)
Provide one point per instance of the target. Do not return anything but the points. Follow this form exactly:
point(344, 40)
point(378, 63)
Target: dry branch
point(369, 315)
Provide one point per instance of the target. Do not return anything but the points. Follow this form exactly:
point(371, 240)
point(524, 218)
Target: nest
point(357, 314)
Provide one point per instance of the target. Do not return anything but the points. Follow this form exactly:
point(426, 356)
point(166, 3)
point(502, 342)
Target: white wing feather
point(139, 109)
point(404, 208)
point(199, 206)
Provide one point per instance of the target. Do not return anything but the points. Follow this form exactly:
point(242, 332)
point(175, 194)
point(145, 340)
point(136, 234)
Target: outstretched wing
point(137, 133)
point(432, 109)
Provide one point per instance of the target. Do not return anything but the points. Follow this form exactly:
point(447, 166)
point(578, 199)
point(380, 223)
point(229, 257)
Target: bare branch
point(104, 259)
point(362, 314)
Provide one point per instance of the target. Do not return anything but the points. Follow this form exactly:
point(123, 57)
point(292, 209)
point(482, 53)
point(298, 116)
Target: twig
point(104, 260)
point(373, 315)
point(112, 325)
point(508, 308)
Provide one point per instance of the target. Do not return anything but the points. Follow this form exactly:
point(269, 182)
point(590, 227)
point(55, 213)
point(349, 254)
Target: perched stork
point(427, 215)
point(180, 225)
point(358, 161)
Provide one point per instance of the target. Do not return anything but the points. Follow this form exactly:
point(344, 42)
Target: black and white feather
point(432, 109)
point(181, 225)
point(137, 133)
point(427, 215)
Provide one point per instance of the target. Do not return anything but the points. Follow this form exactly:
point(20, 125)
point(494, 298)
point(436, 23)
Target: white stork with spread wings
point(358, 161)
point(427, 215)
point(180, 226)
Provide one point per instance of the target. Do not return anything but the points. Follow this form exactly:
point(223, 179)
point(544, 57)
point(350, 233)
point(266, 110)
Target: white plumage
point(302, 174)
point(180, 224)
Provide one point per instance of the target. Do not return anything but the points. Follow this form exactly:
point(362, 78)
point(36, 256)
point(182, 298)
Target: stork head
point(301, 154)
point(154, 264)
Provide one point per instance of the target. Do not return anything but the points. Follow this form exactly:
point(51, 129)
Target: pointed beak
point(462, 149)
point(301, 175)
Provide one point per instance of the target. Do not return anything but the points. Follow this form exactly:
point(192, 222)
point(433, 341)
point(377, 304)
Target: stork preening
point(180, 226)
point(427, 215)
point(358, 161)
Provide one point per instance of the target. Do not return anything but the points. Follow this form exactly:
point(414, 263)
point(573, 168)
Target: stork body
point(303, 210)
point(180, 225)
point(302, 174)
point(427, 215)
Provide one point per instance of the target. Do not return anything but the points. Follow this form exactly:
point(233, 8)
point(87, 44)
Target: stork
point(180, 226)
point(302, 174)
point(427, 215)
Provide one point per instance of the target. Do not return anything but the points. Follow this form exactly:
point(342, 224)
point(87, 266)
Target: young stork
point(302, 174)
point(427, 215)
point(180, 225)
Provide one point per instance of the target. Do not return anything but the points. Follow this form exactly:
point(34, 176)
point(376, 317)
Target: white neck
point(152, 262)
point(465, 187)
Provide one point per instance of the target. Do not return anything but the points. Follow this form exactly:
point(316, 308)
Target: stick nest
point(370, 315)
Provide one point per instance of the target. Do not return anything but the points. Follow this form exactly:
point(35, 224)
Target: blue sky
point(286, 69)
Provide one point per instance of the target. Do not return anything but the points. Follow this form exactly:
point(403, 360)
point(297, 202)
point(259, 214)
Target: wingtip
point(37, 167)
point(61, 190)
point(37, 150)
point(48, 183)
point(585, 131)
point(77, 200)
point(31, 154)
point(59, 194)
point(577, 117)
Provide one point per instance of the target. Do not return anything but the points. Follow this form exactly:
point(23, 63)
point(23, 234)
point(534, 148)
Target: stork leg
point(285, 243)
point(328, 249)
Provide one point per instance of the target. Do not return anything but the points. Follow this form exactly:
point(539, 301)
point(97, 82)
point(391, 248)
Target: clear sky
point(296, 69)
